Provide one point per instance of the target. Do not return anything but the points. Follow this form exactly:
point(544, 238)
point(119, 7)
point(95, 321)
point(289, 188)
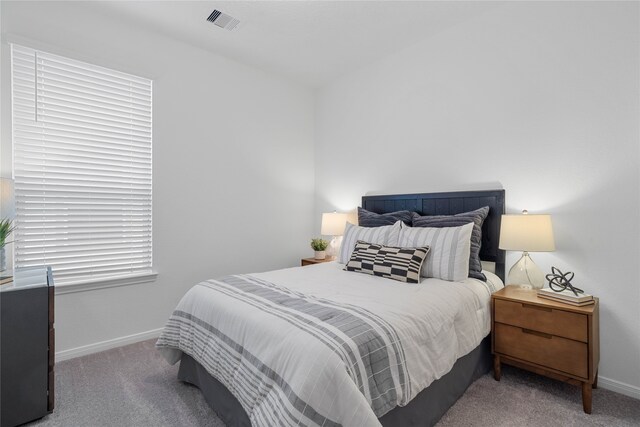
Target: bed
point(318, 345)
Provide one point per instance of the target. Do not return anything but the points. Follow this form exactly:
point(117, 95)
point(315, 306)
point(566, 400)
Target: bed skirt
point(424, 410)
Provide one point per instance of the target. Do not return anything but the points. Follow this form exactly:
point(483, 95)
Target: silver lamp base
point(526, 272)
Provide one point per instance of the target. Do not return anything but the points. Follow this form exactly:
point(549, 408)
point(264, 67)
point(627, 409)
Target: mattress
point(321, 346)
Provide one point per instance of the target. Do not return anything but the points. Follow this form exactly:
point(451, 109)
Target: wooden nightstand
point(550, 338)
point(309, 261)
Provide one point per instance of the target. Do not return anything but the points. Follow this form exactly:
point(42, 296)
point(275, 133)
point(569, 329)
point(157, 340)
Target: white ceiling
point(311, 42)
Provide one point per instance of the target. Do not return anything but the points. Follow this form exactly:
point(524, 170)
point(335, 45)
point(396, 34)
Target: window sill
point(91, 285)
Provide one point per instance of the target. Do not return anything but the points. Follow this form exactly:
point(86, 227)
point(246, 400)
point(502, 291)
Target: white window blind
point(82, 167)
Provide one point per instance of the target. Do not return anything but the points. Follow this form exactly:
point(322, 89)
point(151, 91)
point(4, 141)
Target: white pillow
point(386, 235)
point(493, 281)
point(448, 258)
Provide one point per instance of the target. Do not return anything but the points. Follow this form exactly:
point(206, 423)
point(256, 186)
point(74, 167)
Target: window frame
point(90, 280)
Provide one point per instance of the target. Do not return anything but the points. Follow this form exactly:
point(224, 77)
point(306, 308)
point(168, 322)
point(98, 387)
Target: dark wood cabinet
point(27, 351)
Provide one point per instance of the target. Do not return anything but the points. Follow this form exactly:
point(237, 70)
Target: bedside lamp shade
point(7, 206)
point(526, 233)
point(531, 233)
point(333, 224)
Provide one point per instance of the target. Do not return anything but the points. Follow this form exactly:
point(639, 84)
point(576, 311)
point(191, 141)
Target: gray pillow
point(371, 219)
point(477, 217)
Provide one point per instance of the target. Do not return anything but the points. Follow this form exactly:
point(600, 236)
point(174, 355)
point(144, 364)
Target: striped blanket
point(296, 359)
point(321, 346)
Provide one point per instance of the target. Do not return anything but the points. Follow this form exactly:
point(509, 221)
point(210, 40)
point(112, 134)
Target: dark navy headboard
point(449, 204)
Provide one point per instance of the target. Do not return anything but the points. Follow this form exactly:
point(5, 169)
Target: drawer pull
point(540, 334)
point(535, 307)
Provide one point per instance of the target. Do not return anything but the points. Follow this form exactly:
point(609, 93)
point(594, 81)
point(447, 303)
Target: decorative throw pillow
point(402, 264)
point(450, 247)
point(477, 217)
point(493, 283)
point(371, 219)
point(385, 235)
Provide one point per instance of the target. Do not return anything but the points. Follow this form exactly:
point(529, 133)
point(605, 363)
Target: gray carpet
point(134, 386)
point(126, 386)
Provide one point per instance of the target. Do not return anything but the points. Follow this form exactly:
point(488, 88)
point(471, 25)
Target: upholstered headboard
point(449, 204)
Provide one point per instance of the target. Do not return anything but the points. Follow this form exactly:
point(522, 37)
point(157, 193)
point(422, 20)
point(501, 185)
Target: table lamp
point(526, 233)
point(333, 225)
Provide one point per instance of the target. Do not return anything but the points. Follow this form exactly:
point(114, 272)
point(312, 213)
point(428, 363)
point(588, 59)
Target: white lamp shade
point(7, 205)
point(333, 224)
point(525, 232)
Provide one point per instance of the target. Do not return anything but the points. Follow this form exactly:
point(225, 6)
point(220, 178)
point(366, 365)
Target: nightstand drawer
point(543, 319)
point(542, 349)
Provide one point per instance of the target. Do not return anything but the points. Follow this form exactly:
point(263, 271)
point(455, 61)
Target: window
point(82, 167)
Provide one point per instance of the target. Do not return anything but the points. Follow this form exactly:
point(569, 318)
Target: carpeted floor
point(134, 386)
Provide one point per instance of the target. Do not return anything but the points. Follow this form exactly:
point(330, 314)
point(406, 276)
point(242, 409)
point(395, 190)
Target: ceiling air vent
point(223, 20)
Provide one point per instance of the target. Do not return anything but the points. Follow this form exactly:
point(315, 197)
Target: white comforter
point(317, 345)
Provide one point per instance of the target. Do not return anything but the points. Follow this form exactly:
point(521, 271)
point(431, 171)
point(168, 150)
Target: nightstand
point(560, 341)
point(310, 261)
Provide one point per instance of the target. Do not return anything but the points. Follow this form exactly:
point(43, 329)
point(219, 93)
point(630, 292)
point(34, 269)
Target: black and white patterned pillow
point(371, 219)
point(402, 264)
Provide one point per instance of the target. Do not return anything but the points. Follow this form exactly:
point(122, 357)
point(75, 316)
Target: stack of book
point(567, 296)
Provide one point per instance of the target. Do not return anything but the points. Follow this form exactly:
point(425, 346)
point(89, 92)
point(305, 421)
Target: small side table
point(310, 261)
point(557, 340)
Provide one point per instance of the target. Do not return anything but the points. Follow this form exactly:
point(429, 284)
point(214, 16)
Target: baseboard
point(106, 345)
point(619, 387)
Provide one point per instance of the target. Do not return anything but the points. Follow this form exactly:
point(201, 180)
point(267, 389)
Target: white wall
point(541, 99)
point(232, 164)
